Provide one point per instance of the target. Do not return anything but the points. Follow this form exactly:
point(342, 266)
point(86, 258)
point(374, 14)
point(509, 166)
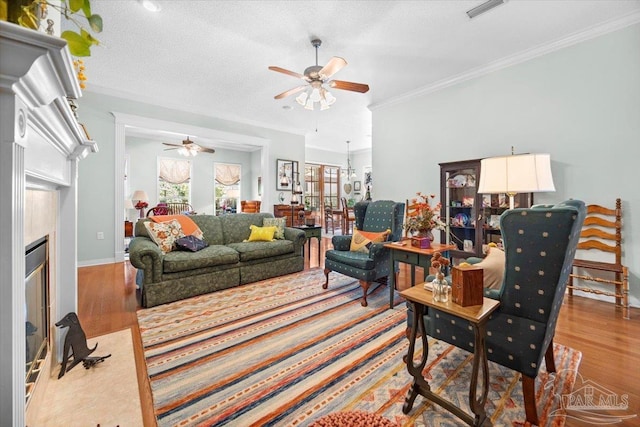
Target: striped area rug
point(284, 352)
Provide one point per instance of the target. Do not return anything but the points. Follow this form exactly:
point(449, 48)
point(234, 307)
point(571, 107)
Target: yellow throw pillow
point(361, 241)
point(261, 234)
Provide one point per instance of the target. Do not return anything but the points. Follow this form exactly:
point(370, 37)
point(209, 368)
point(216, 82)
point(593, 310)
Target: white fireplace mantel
point(41, 143)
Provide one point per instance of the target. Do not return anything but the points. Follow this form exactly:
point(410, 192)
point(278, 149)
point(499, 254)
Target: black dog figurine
point(76, 342)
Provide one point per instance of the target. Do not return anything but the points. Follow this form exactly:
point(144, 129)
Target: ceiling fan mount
point(315, 76)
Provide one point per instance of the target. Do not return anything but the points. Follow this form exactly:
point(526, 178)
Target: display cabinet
point(473, 220)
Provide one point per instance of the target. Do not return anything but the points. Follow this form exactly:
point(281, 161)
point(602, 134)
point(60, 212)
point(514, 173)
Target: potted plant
point(33, 14)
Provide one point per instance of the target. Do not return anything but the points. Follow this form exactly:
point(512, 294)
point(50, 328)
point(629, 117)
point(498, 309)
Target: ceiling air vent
point(484, 7)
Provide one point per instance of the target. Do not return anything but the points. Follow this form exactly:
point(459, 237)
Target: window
point(331, 190)
point(312, 194)
point(174, 181)
point(227, 187)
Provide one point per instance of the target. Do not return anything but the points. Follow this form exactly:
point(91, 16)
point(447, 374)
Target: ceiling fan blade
point(172, 145)
point(334, 65)
point(354, 87)
point(291, 73)
point(206, 150)
point(290, 92)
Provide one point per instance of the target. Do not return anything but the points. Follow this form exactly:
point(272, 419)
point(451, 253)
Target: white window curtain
point(175, 171)
point(227, 174)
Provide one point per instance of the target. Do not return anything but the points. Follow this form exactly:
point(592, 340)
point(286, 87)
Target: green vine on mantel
point(30, 13)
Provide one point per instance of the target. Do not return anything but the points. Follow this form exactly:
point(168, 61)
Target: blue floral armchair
point(540, 243)
point(376, 216)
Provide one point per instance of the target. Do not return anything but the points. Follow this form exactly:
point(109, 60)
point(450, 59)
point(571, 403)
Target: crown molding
point(100, 90)
point(509, 61)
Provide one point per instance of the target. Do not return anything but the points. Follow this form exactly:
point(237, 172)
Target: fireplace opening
point(36, 309)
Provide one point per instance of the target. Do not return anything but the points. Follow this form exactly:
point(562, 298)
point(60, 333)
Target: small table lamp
point(522, 173)
point(142, 199)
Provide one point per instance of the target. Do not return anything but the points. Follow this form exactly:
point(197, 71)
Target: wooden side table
point(309, 232)
point(477, 315)
point(402, 251)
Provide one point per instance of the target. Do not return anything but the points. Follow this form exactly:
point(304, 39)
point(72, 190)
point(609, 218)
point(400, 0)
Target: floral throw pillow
point(361, 241)
point(279, 223)
point(164, 234)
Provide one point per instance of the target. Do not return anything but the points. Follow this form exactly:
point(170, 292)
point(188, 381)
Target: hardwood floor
point(609, 344)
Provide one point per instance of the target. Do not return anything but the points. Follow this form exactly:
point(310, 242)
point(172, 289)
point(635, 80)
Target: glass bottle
point(440, 288)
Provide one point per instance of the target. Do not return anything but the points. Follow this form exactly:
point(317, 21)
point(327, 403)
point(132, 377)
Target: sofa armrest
point(297, 236)
point(341, 243)
point(144, 254)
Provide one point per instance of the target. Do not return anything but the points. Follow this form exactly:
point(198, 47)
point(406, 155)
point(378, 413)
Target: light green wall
point(96, 207)
point(581, 104)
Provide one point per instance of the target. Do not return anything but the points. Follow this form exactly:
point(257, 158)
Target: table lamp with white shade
point(514, 174)
point(141, 199)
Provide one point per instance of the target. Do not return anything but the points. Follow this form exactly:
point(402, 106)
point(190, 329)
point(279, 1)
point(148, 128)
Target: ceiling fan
point(188, 148)
point(316, 77)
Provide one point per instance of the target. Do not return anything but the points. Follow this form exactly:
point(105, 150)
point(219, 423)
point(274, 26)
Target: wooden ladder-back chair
point(348, 217)
point(602, 232)
point(329, 217)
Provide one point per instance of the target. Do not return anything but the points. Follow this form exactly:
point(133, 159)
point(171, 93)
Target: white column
point(13, 118)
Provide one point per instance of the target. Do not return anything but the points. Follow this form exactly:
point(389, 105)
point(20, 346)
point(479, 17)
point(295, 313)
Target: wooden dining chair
point(329, 217)
point(348, 217)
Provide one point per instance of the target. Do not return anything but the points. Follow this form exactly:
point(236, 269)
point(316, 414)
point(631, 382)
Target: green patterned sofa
point(226, 262)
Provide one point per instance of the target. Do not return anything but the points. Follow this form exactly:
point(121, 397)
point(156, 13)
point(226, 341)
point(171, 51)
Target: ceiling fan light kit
point(188, 148)
point(484, 7)
point(314, 93)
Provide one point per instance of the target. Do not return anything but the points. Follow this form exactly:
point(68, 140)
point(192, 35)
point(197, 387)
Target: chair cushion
point(164, 234)
point(279, 223)
point(361, 241)
point(210, 256)
point(354, 259)
point(250, 251)
point(261, 234)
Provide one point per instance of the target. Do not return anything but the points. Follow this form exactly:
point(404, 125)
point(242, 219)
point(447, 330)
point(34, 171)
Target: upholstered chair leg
point(365, 289)
point(326, 281)
point(529, 392)
point(549, 359)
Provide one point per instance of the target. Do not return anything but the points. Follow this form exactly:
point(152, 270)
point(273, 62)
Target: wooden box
point(467, 286)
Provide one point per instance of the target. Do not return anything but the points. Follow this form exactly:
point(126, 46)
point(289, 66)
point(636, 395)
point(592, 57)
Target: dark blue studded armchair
point(376, 216)
point(540, 243)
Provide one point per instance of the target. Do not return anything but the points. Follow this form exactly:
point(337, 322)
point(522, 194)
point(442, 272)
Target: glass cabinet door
point(460, 205)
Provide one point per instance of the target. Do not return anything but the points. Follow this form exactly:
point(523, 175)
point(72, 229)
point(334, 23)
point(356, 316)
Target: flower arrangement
point(424, 218)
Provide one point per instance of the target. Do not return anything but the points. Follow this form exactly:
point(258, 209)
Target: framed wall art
point(284, 170)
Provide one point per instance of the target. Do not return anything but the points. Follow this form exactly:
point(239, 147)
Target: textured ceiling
point(211, 57)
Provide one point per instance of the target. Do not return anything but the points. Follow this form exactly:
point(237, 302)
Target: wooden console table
point(477, 315)
point(285, 211)
point(402, 251)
